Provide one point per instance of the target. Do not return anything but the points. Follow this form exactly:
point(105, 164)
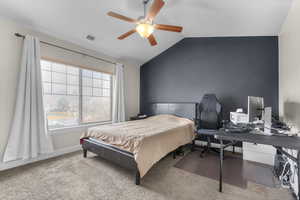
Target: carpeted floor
point(72, 177)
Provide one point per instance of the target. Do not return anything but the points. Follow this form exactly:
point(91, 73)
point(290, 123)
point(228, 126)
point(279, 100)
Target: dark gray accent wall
point(231, 67)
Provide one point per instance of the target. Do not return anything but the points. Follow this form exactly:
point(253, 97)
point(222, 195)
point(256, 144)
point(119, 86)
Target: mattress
point(148, 140)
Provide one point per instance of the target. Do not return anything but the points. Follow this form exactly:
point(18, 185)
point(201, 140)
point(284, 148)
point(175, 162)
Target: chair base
point(208, 148)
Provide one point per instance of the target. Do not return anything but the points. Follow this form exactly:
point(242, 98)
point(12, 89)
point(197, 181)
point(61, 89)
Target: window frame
point(81, 123)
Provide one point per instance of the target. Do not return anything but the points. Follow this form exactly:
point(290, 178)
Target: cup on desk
point(239, 110)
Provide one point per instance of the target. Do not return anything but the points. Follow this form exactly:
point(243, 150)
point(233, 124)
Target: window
point(75, 96)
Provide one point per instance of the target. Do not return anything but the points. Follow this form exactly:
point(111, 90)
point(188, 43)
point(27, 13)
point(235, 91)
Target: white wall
point(132, 88)
point(10, 52)
point(289, 67)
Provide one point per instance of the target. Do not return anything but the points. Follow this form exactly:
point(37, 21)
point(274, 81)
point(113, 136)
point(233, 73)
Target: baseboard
point(18, 163)
point(215, 145)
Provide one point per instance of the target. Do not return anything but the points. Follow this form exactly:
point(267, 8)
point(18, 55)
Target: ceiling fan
point(144, 24)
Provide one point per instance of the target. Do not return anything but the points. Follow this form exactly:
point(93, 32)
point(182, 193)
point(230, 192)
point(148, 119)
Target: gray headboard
point(187, 110)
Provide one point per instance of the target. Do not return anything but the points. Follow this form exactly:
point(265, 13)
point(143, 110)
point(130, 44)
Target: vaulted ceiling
point(73, 20)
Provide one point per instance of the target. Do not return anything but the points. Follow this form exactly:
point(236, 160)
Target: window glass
point(87, 91)
point(59, 89)
point(106, 92)
point(46, 76)
point(106, 84)
point(47, 88)
point(106, 77)
point(96, 109)
point(59, 78)
point(87, 73)
point(75, 96)
point(97, 75)
point(56, 67)
point(97, 92)
point(73, 90)
point(73, 80)
point(97, 83)
point(46, 65)
point(87, 81)
point(72, 70)
point(61, 110)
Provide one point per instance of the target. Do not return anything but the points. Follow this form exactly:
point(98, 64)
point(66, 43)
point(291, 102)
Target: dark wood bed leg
point(174, 154)
point(84, 153)
point(137, 177)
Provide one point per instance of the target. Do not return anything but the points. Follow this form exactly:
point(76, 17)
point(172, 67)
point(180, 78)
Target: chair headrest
point(210, 102)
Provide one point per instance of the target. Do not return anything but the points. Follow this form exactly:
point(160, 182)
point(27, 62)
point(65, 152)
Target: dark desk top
point(274, 140)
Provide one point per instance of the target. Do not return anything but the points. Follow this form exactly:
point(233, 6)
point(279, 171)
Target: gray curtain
point(118, 114)
point(28, 134)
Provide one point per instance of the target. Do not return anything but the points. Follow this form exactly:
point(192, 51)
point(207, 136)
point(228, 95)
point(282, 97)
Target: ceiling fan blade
point(127, 34)
point(121, 17)
point(154, 9)
point(168, 28)
point(152, 40)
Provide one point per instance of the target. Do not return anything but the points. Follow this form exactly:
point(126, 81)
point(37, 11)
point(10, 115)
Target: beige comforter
point(149, 139)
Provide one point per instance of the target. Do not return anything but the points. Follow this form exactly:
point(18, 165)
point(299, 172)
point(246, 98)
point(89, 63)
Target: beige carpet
point(72, 177)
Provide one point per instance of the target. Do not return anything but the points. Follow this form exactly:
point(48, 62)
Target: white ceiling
point(72, 20)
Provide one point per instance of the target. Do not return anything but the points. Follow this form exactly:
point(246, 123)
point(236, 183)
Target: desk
point(279, 142)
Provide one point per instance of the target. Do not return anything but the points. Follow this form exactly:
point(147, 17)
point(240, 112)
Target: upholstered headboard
point(187, 110)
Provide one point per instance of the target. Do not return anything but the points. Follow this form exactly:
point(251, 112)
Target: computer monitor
point(255, 108)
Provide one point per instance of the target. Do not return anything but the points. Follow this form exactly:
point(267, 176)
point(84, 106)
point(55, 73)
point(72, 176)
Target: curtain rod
point(78, 52)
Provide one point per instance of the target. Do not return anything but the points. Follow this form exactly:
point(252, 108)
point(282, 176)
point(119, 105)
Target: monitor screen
point(255, 108)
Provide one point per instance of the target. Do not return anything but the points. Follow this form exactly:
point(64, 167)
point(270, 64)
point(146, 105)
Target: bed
point(139, 144)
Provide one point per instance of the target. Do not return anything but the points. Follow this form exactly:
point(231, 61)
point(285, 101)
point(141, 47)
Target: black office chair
point(208, 120)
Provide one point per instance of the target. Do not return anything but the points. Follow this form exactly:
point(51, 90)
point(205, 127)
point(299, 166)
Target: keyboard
point(237, 130)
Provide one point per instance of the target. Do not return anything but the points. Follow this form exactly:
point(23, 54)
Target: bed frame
point(126, 159)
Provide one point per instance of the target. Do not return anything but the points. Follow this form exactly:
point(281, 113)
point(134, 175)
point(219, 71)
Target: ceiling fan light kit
point(145, 29)
point(145, 26)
